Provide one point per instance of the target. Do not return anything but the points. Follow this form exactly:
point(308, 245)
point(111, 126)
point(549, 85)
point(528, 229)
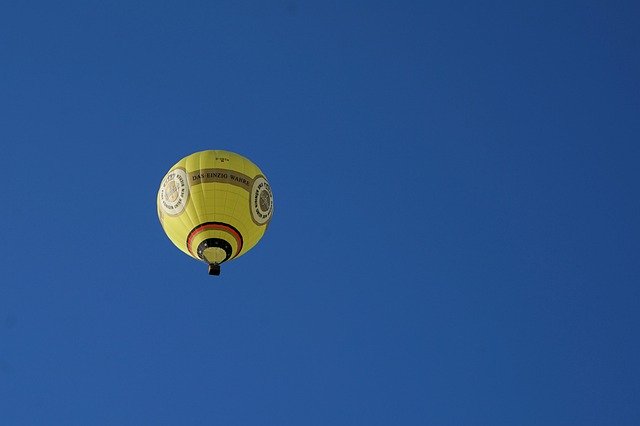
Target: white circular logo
point(261, 201)
point(174, 192)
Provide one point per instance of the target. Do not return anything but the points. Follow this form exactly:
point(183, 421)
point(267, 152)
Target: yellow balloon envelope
point(215, 206)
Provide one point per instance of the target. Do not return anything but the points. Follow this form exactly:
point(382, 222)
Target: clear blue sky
point(456, 237)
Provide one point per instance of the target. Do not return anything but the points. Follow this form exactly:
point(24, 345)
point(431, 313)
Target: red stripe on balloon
point(218, 226)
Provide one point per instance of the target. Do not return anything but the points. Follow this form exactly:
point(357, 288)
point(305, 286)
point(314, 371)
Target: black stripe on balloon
point(220, 226)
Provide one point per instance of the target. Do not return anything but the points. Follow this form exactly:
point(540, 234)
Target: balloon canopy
point(215, 206)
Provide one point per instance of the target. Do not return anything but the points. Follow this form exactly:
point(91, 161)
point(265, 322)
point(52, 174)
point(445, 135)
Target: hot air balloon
point(215, 206)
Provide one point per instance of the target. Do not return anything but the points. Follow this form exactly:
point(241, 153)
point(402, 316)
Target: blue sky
point(455, 239)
